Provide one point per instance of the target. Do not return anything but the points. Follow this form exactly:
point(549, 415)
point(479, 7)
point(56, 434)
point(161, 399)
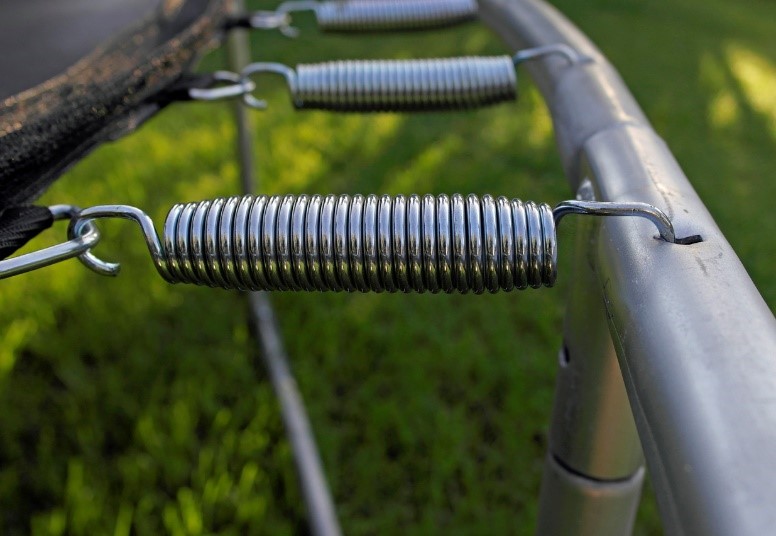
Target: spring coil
point(376, 15)
point(405, 85)
point(344, 243)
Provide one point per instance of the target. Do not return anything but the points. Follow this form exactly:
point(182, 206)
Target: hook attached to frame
point(323, 243)
point(392, 85)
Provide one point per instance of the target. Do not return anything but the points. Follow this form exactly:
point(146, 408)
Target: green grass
point(132, 406)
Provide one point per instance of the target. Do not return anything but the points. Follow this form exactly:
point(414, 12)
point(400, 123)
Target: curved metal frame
point(694, 338)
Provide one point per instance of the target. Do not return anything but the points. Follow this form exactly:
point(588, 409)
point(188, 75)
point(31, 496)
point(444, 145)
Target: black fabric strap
point(179, 90)
point(238, 21)
point(20, 224)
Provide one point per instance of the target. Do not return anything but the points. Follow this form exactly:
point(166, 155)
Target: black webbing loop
point(180, 89)
point(20, 224)
point(242, 20)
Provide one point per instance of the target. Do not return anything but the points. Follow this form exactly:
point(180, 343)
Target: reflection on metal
point(694, 339)
point(362, 243)
point(433, 243)
point(79, 244)
point(236, 86)
point(642, 210)
point(391, 85)
point(395, 85)
point(320, 506)
point(368, 15)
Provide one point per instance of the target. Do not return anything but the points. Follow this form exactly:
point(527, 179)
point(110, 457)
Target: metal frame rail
point(695, 341)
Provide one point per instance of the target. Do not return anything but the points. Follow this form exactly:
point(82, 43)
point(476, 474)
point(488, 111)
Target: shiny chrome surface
point(642, 210)
point(405, 85)
point(368, 15)
point(321, 513)
point(237, 86)
point(357, 244)
point(80, 243)
point(382, 15)
point(434, 243)
point(266, 67)
point(84, 218)
point(273, 20)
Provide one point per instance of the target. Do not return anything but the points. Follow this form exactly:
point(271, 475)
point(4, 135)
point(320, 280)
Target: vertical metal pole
point(320, 507)
point(594, 468)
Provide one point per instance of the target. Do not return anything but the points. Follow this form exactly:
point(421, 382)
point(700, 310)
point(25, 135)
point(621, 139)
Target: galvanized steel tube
point(695, 340)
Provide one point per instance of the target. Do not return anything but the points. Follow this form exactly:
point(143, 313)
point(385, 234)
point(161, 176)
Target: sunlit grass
point(133, 405)
point(757, 77)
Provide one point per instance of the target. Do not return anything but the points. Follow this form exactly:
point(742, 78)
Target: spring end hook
point(559, 49)
point(280, 19)
point(88, 259)
point(266, 67)
point(273, 20)
point(642, 210)
point(84, 235)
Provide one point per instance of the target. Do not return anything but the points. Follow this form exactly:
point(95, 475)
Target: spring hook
point(404, 85)
point(361, 243)
point(272, 20)
point(266, 67)
point(367, 15)
point(79, 244)
point(640, 210)
point(237, 86)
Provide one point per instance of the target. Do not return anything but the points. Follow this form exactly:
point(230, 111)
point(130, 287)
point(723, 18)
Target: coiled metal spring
point(379, 15)
point(364, 15)
point(410, 85)
point(341, 243)
point(396, 85)
point(390, 85)
point(344, 243)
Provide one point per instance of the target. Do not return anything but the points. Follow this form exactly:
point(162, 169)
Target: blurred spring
point(433, 243)
point(405, 85)
point(376, 15)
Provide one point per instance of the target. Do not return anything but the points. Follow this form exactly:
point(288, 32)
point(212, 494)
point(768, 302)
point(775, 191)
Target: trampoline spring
point(361, 243)
point(344, 243)
point(403, 85)
point(368, 15)
point(409, 85)
point(396, 85)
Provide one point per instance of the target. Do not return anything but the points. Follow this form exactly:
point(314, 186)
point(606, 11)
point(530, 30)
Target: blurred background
point(131, 406)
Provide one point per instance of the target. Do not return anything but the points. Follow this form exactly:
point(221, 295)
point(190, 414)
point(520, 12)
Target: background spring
point(433, 243)
point(376, 15)
point(405, 85)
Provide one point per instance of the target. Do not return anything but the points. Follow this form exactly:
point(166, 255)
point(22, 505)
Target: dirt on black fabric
point(105, 95)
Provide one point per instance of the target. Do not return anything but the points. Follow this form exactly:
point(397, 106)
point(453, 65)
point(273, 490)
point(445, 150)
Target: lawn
point(134, 407)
